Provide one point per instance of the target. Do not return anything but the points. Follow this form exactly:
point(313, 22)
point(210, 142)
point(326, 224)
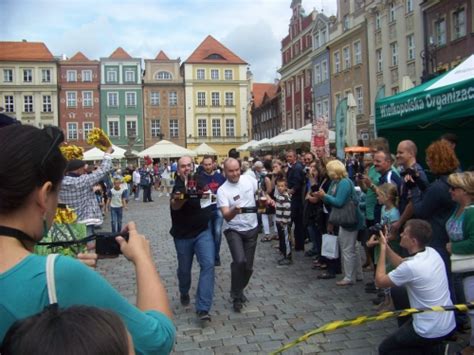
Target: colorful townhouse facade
point(266, 110)
point(121, 99)
point(79, 98)
point(216, 93)
point(163, 95)
point(28, 85)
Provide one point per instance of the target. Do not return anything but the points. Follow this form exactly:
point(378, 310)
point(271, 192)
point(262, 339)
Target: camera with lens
point(375, 229)
point(413, 174)
point(106, 245)
point(306, 169)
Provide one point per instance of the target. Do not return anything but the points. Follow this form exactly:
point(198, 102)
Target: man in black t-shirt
point(190, 229)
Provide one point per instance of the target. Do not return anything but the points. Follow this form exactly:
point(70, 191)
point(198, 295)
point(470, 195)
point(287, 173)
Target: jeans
point(242, 247)
point(116, 217)
point(203, 246)
point(216, 229)
point(406, 341)
point(137, 192)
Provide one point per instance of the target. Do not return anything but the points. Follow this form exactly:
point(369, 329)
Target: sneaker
point(185, 300)
point(285, 261)
point(238, 305)
point(204, 316)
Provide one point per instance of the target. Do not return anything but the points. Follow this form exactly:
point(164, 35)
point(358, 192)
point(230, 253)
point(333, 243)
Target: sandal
point(266, 239)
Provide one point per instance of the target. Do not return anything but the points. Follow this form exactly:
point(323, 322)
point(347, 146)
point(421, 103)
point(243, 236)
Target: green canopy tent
point(423, 113)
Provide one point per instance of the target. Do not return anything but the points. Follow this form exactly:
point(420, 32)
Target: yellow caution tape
point(365, 319)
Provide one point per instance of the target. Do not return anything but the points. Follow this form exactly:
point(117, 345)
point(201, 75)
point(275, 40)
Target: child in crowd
point(283, 220)
point(387, 196)
point(117, 202)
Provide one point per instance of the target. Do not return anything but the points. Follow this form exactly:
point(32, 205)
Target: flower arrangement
point(65, 215)
point(127, 178)
point(71, 152)
point(99, 139)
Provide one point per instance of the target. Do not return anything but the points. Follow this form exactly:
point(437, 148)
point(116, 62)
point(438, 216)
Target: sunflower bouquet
point(71, 152)
point(65, 215)
point(99, 139)
point(127, 178)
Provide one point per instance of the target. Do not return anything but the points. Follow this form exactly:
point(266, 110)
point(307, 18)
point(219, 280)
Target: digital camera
point(375, 229)
point(106, 245)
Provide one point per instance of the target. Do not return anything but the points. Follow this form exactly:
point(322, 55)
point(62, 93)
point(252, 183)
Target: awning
point(166, 149)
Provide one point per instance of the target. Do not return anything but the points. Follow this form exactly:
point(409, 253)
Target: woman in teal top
point(460, 228)
point(31, 170)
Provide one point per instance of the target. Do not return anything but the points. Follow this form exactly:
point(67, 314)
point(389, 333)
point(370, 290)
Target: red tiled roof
point(212, 46)
point(259, 90)
point(162, 56)
point(120, 53)
point(25, 51)
point(79, 57)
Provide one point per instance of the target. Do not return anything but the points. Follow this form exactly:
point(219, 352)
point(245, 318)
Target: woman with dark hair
point(77, 330)
point(31, 171)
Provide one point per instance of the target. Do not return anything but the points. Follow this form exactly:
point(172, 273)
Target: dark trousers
point(297, 219)
point(146, 193)
point(406, 341)
point(242, 247)
point(284, 239)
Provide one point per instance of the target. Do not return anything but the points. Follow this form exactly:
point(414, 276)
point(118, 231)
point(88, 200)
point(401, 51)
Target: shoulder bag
point(345, 216)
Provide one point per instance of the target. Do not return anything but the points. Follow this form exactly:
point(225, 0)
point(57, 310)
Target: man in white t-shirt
point(424, 275)
point(234, 198)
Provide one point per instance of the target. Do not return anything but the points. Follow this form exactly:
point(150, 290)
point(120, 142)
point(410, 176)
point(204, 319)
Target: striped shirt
point(283, 208)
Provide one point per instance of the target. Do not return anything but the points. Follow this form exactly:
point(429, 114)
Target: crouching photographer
point(31, 171)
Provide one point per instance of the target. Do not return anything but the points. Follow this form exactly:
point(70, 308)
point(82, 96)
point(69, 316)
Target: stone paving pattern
point(285, 302)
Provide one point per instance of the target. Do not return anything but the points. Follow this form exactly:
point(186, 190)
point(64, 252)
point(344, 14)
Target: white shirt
point(424, 276)
point(136, 177)
point(241, 194)
point(116, 197)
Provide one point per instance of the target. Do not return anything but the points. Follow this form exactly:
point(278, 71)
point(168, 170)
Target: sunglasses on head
point(57, 137)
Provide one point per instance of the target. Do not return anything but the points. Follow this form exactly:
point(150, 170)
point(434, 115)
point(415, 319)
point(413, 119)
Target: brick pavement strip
point(284, 302)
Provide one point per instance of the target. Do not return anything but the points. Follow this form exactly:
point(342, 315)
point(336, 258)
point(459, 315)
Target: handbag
point(330, 246)
point(462, 263)
point(345, 216)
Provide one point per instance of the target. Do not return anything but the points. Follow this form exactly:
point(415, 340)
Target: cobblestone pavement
point(284, 301)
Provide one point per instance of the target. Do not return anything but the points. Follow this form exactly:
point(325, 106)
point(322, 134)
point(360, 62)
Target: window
point(87, 75)
point(201, 99)
point(318, 109)
point(112, 76)
point(71, 99)
point(174, 128)
point(113, 128)
point(337, 62)
point(173, 98)
point(7, 75)
point(129, 76)
point(229, 127)
point(326, 108)
point(395, 90)
point(459, 23)
point(324, 71)
point(27, 75)
point(214, 74)
point(155, 98)
point(28, 103)
point(440, 32)
point(131, 99)
point(72, 131)
point(47, 103)
point(87, 127)
point(323, 37)
point(394, 51)
point(297, 84)
point(202, 128)
point(216, 127)
point(87, 99)
point(317, 74)
point(112, 99)
point(164, 75)
point(215, 99)
point(228, 75)
point(9, 103)
point(288, 89)
point(345, 22)
point(316, 40)
point(45, 75)
point(71, 75)
point(201, 74)
point(359, 97)
point(378, 56)
point(391, 14)
point(357, 53)
point(155, 128)
point(378, 24)
point(411, 47)
point(229, 99)
point(347, 57)
point(131, 124)
point(408, 6)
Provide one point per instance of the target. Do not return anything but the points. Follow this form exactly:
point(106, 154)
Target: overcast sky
point(252, 29)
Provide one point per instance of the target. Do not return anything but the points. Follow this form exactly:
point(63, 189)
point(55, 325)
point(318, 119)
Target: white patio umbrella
point(97, 154)
point(261, 144)
point(204, 149)
point(246, 146)
point(284, 138)
point(166, 149)
point(351, 129)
